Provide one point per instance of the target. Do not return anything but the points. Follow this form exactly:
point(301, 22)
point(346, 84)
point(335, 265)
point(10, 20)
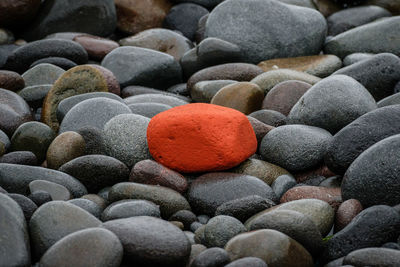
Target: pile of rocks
point(199, 133)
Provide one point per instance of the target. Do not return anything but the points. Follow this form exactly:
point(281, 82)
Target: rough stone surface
point(330, 195)
point(346, 213)
point(220, 229)
point(373, 257)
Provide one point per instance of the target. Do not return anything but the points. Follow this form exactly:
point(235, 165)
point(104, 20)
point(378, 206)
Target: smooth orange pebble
point(200, 137)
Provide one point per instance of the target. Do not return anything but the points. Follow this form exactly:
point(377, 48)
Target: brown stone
point(17, 12)
point(242, 72)
point(2, 149)
point(151, 172)
point(243, 96)
point(320, 65)
point(65, 147)
point(78, 80)
point(260, 128)
point(162, 40)
point(330, 195)
point(309, 174)
point(135, 16)
point(11, 80)
point(327, 7)
point(96, 47)
point(263, 170)
point(284, 96)
point(346, 212)
point(14, 111)
point(273, 247)
point(112, 83)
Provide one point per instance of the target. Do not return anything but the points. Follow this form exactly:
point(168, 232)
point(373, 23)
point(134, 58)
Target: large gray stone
point(54, 220)
point(42, 74)
point(373, 178)
point(359, 135)
point(375, 37)
point(150, 241)
point(295, 147)
point(373, 257)
point(265, 29)
point(142, 66)
point(125, 138)
point(95, 112)
point(14, 245)
point(332, 103)
point(96, 17)
point(130, 208)
point(89, 247)
point(378, 74)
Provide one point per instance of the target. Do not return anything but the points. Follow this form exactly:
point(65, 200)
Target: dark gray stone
point(61, 62)
point(42, 74)
point(130, 208)
point(142, 66)
point(56, 191)
point(378, 74)
point(204, 91)
point(169, 200)
point(150, 241)
point(33, 136)
point(184, 18)
point(269, 117)
point(87, 205)
point(332, 103)
point(20, 157)
point(55, 220)
point(390, 100)
point(22, 57)
point(5, 140)
point(262, 28)
point(292, 223)
point(96, 171)
point(212, 257)
point(349, 18)
point(209, 191)
point(373, 178)
point(361, 134)
point(95, 112)
point(248, 261)
point(295, 147)
point(88, 247)
point(133, 90)
point(179, 89)
point(373, 257)
point(375, 37)
point(184, 216)
point(66, 104)
point(220, 229)
point(155, 98)
point(93, 140)
point(282, 184)
point(94, 17)
point(16, 178)
point(40, 197)
point(206, 3)
point(34, 95)
point(244, 208)
point(27, 206)
point(14, 246)
point(124, 138)
point(148, 110)
point(372, 227)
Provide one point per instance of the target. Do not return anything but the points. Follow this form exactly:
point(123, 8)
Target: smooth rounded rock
point(186, 217)
point(356, 57)
point(204, 91)
point(269, 117)
point(373, 177)
point(295, 147)
point(212, 257)
point(169, 100)
point(169, 200)
point(61, 62)
point(11, 80)
point(220, 229)
point(273, 247)
point(151, 172)
point(332, 104)
point(15, 247)
point(242, 96)
point(373, 257)
point(282, 184)
point(27, 205)
point(330, 195)
point(96, 171)
point(390, 100)
point(249, 28)
point(95, 112)
point(124, 138)
point(151, 241)
point(101, 248)
point(20, 157)
point(33, 136)
point(96, 47)
point(19, 12)
point(346, 213)
point(161, 40)
point(190, 138)
point(130, 208)
point(142, 66)
point(225, 187)
point(34, 95)
point(42, 74)
point(148, 110)
point(87, 205)
point(247, 261)
point(56, 191)
point(55, 220)
point(93, 139)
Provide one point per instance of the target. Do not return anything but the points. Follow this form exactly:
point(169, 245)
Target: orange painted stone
point(200, 137)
